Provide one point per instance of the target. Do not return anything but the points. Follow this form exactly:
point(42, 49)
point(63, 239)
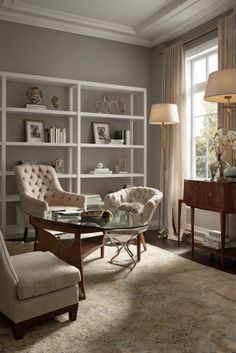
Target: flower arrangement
point(222, 141)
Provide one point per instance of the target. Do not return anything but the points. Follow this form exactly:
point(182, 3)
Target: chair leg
point(73, 313)
point(138, 247)
point(18, 331)
point(143, 241)
point(25, 234)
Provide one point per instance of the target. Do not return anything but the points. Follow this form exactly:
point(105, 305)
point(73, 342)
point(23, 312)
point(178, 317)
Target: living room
point(124, 57)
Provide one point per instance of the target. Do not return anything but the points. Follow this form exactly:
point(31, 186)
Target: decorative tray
point(91, 215)
point(95, 215)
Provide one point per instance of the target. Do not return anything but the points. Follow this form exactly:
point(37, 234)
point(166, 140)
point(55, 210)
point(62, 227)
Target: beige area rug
point(165, 304)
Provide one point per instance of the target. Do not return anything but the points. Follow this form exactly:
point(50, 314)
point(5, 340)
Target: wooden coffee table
point(80, 247)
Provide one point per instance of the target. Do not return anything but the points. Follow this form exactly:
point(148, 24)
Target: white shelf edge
point(111, 116)
point(40, 144)
point(18, 77)
point(12, 198)
point(109, 145)
point(87, 85)
point(65, 176)
point(60, 175)
point(115, 175)
point(40, 111)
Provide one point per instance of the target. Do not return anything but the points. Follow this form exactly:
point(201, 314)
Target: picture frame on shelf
point(34, 130)
point(101, 133)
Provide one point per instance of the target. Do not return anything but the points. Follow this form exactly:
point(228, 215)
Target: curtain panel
point(173, 159)
point(227, 60)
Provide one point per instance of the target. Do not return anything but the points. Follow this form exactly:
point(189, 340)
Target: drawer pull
point(210, 194)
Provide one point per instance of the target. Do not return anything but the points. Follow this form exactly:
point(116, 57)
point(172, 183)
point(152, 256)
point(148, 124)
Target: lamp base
point(163, 233)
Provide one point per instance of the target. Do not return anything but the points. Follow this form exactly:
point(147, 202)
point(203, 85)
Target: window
point(201, 115)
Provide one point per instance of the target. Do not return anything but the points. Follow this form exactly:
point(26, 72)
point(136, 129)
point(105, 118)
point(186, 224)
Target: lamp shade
point(164, 114)
point(221, 86)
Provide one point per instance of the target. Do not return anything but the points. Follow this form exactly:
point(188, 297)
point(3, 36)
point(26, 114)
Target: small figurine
point(34, 95)
point(55, 102)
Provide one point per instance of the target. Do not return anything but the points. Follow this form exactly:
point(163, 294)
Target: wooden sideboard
point(211, 196)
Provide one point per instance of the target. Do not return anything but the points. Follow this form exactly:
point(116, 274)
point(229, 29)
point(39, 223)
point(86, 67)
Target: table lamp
point(163, 114)
point(221, 88)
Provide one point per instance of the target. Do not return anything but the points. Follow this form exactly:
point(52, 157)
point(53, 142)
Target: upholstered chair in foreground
point(138, 199)
point(36, 286)
point(40, 189)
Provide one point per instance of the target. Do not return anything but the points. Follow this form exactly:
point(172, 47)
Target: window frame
point(201, 51)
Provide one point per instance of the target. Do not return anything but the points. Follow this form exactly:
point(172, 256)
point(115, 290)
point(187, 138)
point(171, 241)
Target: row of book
point(55, 135)
point(213, 240)
point(93, 200)
point(100, 171)
point(35, 106)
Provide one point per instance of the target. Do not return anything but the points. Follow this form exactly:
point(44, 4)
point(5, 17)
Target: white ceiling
point(142, 22)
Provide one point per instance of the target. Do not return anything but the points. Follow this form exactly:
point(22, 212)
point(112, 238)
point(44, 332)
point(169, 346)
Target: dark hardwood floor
point(184, 250)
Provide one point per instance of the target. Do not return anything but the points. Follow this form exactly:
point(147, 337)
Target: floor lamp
point(221, 88)
point(163, 114)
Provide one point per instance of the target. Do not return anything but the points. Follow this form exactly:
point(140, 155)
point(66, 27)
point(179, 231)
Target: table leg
point(192, 228)
point(222, 228)
point(138, 247)
point(180, 201)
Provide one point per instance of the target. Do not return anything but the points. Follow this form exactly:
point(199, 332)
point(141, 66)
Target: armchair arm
point(30, 205)
point(151, 205)
point(64, 198)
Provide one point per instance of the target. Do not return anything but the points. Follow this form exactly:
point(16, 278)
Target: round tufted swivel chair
point(40, 189)
point(137, 200)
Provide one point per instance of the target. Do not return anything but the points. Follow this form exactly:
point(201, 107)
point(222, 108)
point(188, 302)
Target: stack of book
point(35, 106)
point(117, 141)
point(67, 214)
point(100, 171)
point(213, 240)
point(57, 135)
point(93, 200)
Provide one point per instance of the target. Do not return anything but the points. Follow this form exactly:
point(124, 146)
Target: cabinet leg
point(222, 226)
point(180, 201)
point(192, 229)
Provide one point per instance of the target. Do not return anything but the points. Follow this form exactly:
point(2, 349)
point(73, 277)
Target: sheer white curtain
point(227, 59)
point(173, 91)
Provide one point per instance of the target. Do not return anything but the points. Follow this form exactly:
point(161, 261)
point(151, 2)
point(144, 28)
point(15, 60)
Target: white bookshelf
point(76, 113)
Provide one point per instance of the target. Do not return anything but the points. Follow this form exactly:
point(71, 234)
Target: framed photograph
point(34, 130)
point(101, 132)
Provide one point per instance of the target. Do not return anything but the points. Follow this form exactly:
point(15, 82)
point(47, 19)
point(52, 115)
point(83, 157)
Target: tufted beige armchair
point(138, 199)
point(40, 189)
point(36, 286)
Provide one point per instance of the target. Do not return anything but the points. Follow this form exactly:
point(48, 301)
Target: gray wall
point(28, 49)
point(35, 50)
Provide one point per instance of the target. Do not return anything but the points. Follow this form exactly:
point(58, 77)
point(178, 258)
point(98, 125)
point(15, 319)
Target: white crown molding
point(156, 27)
point(192, 22)
point(162, 14)
point(13, 10)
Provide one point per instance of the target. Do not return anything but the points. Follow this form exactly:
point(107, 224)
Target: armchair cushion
point(42, 272)
point(134, 207)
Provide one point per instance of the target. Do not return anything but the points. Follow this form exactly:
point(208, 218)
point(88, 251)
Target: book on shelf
point(116, 142)
point(35, 106)
point(91, 196)
point(100, 172)
point(93, 199)
point(68, 212)
point(57, 135)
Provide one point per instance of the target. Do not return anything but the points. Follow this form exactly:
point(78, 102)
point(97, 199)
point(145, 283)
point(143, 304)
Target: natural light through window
point(201, 115)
